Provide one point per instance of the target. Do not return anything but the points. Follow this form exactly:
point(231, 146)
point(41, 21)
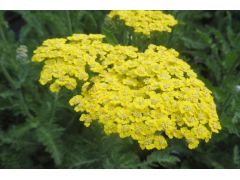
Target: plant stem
point(24, 105)
point(226, 102)
point(7, 75)
point(2, 34)
point(69, 22)
point(71, 121)
point(53, 109)
point(19, 91)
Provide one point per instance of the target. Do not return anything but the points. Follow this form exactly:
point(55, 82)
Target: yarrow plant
point(151, 96)
point(145, 22)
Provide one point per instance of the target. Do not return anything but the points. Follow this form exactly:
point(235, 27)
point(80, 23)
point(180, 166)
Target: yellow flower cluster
point(145, 21)
point(68, 60)
point(151, 96)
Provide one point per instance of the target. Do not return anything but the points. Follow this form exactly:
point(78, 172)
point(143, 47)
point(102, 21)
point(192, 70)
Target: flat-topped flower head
point(153, 99)
point(145, 21)
point(151, 96)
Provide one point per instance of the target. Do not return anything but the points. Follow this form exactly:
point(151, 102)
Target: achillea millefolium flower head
point(145, 21)
point(68, 60)
point(151, 96)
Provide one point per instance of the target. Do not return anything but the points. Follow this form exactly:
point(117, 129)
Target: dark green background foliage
point(38, 129)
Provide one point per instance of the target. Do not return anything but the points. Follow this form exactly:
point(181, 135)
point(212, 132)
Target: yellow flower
point(190, 138)
point(151, 96)
point(71, 59)
point(148, 143)
point(140, 103)
point(146, 104)
point(160, 142)
point(201, 132)
point(124, 130)
point(145, 21)
point(86, 119)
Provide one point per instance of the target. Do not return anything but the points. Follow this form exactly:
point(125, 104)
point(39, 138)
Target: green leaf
point(6, 94)
point(162, 158)
point(110, 37)
point(50, 136)
point(230, 60)
point(236, 156)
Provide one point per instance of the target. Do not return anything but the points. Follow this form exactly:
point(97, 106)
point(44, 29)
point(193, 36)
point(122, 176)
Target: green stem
point(69, 22)
point(53, 109)
point(2, 34)
point(7, 75)
point(226, 102)
point(24, 105)
point(71, 121)
point(19, 91)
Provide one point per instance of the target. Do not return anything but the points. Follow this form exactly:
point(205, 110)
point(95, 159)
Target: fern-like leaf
point(50, 136)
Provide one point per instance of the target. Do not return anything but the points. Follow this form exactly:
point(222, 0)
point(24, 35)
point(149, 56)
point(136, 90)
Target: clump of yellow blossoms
point(68, 60)
point(151, 96)
point(145, 21)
